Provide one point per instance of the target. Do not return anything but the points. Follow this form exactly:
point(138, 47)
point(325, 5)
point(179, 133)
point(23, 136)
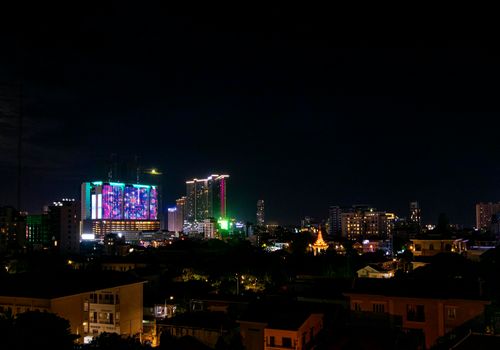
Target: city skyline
point(331, 116)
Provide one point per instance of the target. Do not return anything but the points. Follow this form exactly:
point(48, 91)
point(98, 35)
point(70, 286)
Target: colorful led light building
point(114, 206)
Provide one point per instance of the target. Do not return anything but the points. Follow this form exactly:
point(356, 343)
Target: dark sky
point(303, 108)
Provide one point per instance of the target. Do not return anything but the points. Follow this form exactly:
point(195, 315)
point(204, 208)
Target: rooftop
point(53, 285)
point(288, 316)
point(419, 288)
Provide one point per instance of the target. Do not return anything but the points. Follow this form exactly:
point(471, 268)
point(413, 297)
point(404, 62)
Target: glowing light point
point(223, 224)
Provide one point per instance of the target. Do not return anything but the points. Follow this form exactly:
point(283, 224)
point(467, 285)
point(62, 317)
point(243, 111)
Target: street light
point(153, 171)
point(156, 172)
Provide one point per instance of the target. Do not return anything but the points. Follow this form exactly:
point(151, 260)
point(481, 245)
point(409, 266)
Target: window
point(431, 246)
point(451, 313)
point(271, 341)
point(378, 308)
point(418, 247)
point(415, 313)
point(357, 306)
point(286, 342)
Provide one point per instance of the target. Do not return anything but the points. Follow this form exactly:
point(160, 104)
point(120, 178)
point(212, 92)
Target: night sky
point(303, 109)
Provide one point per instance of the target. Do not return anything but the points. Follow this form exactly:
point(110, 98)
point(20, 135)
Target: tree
point(113, 341)
point(42, 330)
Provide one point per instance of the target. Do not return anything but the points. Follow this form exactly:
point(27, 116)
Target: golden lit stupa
point(320, 244)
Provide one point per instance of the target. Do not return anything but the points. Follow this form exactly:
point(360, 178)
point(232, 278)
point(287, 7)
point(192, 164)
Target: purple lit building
point(114, 207)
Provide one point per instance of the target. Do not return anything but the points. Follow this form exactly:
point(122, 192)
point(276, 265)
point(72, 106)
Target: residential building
point(206, 198)
point(417, 307)
point(38, 231)
point(173, 220)
point(93, 303)
point(485, 213)
point(64, 217)
point(12, 228)
point(206, 327)
point(433, 246)
point(209, 228)
point(415, 213)
point(377, 271)
point(281, 331)
point(260, 212)
point(180, 205)
point(363, 223)
point(335, 221)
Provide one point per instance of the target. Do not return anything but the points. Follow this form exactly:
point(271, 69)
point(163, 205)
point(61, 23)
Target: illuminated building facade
point(113, 206)
point(180, 205)
point(260, 212)
point(485, 213)
point(415, 216)
point(12, 228)
point(38, 230)
point(175, 220)
point(206, 198)
point(362, 223)
point(171, 218)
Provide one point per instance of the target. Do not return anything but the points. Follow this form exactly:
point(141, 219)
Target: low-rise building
point(93, 303)
point(292, 330)
point(376, 271)
point(432, 310)
point(433, 246)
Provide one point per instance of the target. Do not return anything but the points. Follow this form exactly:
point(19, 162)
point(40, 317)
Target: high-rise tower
point(260, 212)
point(415, 213)
point(206, 198)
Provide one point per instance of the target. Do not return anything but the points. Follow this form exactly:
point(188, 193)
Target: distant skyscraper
point(335, 220)
point(176, 216)
point(415, 213)
point(260, 212)
point(172, 219)
point(180, 205)
point(64, 217)
point(206, 198)
point(485, 213)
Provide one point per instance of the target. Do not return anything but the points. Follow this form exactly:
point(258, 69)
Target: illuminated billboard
point(153, 203)
point(112, 201)
point(120, 201)
point(136, 202)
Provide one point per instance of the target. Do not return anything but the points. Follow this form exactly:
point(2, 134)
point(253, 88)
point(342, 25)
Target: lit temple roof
point(320, 243)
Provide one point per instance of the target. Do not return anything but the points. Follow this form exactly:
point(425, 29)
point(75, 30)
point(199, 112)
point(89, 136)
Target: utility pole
point(19, 146)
